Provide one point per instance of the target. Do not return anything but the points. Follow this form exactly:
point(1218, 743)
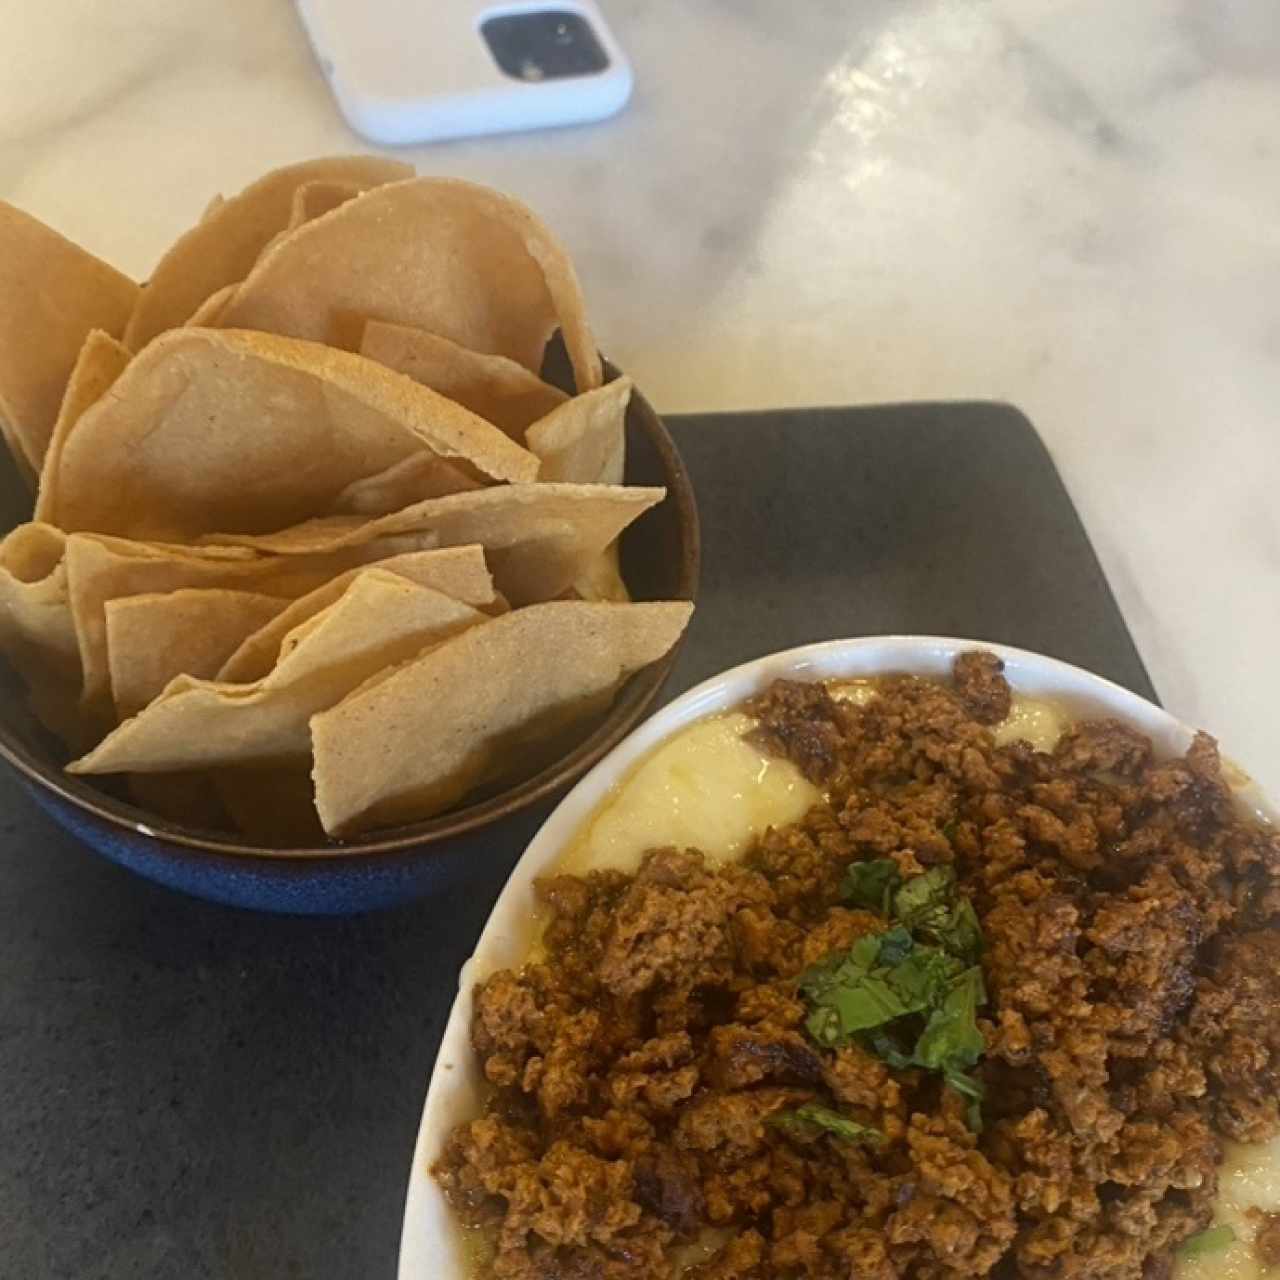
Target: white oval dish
point(430, 1243)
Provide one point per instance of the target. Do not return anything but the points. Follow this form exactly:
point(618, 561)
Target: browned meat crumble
point(1131, 967)
point(1266, 1242)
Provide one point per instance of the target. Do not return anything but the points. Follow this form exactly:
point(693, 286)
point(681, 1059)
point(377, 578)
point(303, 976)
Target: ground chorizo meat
point(1266, 1240)
point(980, 682)
point(643, 1071)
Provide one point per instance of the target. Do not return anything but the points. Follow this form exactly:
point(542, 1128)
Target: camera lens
point(548, 45)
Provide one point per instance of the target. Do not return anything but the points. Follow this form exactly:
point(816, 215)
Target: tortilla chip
point(272, 806)
point(37, 632)
point(498, 389)
point(52, 294)
point(412, 479)
point(311, 200)
point(100, 568)
point(101, 361)
point(315, 199)
point(458, 572)
point(438, 254)
point(380, 620)
point(375, 765)
point(223, 246)
point(602, 580)
point(209, 312)
point(158, 635)
point(583, 441)
point(538, 538)
point(213, 429)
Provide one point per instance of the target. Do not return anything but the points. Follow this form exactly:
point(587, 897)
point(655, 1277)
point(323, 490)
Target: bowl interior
point(660, 560)
point(430, 1241)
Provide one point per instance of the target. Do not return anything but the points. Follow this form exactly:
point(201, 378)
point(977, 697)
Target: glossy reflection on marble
point(1074, 206)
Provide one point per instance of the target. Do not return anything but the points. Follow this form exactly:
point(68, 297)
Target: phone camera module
point(551, 44)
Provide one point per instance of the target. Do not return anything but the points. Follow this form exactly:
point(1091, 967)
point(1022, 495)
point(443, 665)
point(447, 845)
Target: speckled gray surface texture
point(190, 1091)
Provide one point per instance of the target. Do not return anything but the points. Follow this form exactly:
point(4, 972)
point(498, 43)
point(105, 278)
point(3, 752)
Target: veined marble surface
point(1073, 205)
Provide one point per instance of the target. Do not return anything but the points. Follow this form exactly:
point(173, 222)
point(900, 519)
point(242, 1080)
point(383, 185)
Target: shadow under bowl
point(660, 556)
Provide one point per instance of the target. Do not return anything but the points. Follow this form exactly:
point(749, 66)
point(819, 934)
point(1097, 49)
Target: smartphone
point(421, 70)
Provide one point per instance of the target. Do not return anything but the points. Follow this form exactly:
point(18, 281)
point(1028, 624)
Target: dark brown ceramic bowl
point(660, 559)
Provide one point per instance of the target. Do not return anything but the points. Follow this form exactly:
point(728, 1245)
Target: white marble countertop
point(1073, 206)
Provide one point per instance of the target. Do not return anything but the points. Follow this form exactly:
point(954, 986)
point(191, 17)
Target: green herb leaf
point(924, 901)
point(1208, 1241)
point(894, 947)
point(923, 977)
point(883, 977)
point(951, 1039)
point(871, 884)
point(887, 1049)
point(824, 1026)
point(871, 1002)
point(931, 905)
point(973, 1115)
point(970, 1088)
point(842, 968)
point(965, 1084)
point(847, 999)
point(866, 952)
point(962, 934)
point(813, 1115)
point(843, 997)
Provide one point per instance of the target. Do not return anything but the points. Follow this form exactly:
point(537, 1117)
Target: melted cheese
point(1038, 720)
point(1250, 1178)
point(684, 1257)
point(705, 788)
point(859, 692)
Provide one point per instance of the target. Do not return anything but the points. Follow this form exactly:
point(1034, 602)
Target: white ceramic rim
point(429, 1242)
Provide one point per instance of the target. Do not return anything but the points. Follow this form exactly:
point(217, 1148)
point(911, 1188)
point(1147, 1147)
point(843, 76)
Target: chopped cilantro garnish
point(924, 975)
point(1208, 1241)
point(931, 905)
point(871, 884)
point(962, 935)
point(951, 1039)
point(925, 900)
point(884, 976)
point(887, 1048)
point(967, 1087)
point(916, 983)
point(813, 1115)
point(895, 946)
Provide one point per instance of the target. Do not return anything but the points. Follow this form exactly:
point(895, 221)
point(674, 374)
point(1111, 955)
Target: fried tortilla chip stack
point(315, 549)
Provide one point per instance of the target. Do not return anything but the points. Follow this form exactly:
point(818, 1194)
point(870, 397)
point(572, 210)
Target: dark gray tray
point(190, 1091)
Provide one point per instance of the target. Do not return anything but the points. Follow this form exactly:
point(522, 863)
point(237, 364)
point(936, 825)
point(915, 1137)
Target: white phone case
point(408, 71)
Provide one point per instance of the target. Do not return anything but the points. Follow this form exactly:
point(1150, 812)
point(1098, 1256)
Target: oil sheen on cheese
point(1038, 720)
point(705, 788)
point(1249, 1178)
